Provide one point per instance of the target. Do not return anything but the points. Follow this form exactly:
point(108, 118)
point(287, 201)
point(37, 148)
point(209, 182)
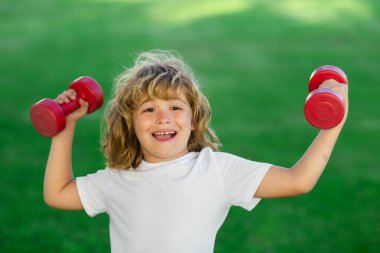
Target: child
point(166, 187)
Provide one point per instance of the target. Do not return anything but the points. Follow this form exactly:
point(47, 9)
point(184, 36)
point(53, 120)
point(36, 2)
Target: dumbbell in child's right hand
point(49, 116)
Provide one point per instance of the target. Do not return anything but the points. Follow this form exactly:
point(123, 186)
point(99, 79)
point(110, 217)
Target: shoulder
point(101, 177)
point(228, 161)
point(106, 172)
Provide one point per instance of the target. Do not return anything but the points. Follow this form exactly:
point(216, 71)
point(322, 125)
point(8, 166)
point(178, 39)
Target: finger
point(59, 100)
point(62, 98)
point(329, 84)
point(83, 102)
point(70, 94)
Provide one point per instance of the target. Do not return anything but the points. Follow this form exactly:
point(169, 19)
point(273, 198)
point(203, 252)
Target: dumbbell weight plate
point(89, 90)
point(47, 117)
point(325, 73)
point(324, 108)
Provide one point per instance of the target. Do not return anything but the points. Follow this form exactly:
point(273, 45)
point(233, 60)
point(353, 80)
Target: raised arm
point(60, 190)
point(302, 177)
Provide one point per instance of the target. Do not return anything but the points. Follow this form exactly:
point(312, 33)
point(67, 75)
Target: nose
point(163, 117)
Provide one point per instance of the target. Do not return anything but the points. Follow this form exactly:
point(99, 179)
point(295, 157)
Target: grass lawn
point(253, 59)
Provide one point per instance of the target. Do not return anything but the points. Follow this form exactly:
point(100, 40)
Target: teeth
point(164, 133)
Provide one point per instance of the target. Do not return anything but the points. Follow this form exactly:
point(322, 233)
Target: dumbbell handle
point(71, 106)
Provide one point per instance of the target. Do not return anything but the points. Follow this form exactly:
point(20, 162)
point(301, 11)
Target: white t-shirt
point(174, 206)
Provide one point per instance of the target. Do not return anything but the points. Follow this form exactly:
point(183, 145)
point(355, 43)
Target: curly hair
point(156, 74)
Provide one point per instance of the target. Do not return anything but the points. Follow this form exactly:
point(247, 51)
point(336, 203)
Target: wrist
point(67, 132)
point(71, 124)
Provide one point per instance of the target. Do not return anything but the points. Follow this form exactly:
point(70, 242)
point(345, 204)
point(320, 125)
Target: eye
point(149, 109)
point(176, 108)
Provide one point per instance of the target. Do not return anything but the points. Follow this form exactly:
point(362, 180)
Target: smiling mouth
point(165, 135)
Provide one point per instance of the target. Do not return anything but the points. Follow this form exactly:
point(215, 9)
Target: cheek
point(138, 125)
point(188, 121)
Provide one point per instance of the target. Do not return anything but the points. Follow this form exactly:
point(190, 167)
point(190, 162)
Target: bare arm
point(60, 190)
point(302, 177)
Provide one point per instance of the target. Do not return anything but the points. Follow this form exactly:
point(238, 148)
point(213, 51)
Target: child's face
point(163, 128)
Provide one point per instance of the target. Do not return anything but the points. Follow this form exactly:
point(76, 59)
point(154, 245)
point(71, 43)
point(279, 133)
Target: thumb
point(83, 104)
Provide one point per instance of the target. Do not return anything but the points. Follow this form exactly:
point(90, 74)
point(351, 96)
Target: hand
point(342, 89)
point(66, 97)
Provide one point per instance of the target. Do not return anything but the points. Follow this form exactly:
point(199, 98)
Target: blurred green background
point(253, 59)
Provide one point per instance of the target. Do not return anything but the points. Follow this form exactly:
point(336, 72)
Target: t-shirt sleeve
point(240, 179)
point(91, 190)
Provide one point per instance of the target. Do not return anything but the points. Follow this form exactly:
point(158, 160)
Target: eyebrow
point(149, 99)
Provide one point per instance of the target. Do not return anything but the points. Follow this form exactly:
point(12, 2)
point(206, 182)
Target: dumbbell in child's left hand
point(327, 104)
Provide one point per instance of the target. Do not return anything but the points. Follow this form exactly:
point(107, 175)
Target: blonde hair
point(156, 74)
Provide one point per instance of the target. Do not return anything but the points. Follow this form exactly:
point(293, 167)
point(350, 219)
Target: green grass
point(253, 59)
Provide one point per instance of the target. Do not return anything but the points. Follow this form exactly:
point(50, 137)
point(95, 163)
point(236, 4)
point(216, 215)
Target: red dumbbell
point(49, 118)
point(324, 108)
